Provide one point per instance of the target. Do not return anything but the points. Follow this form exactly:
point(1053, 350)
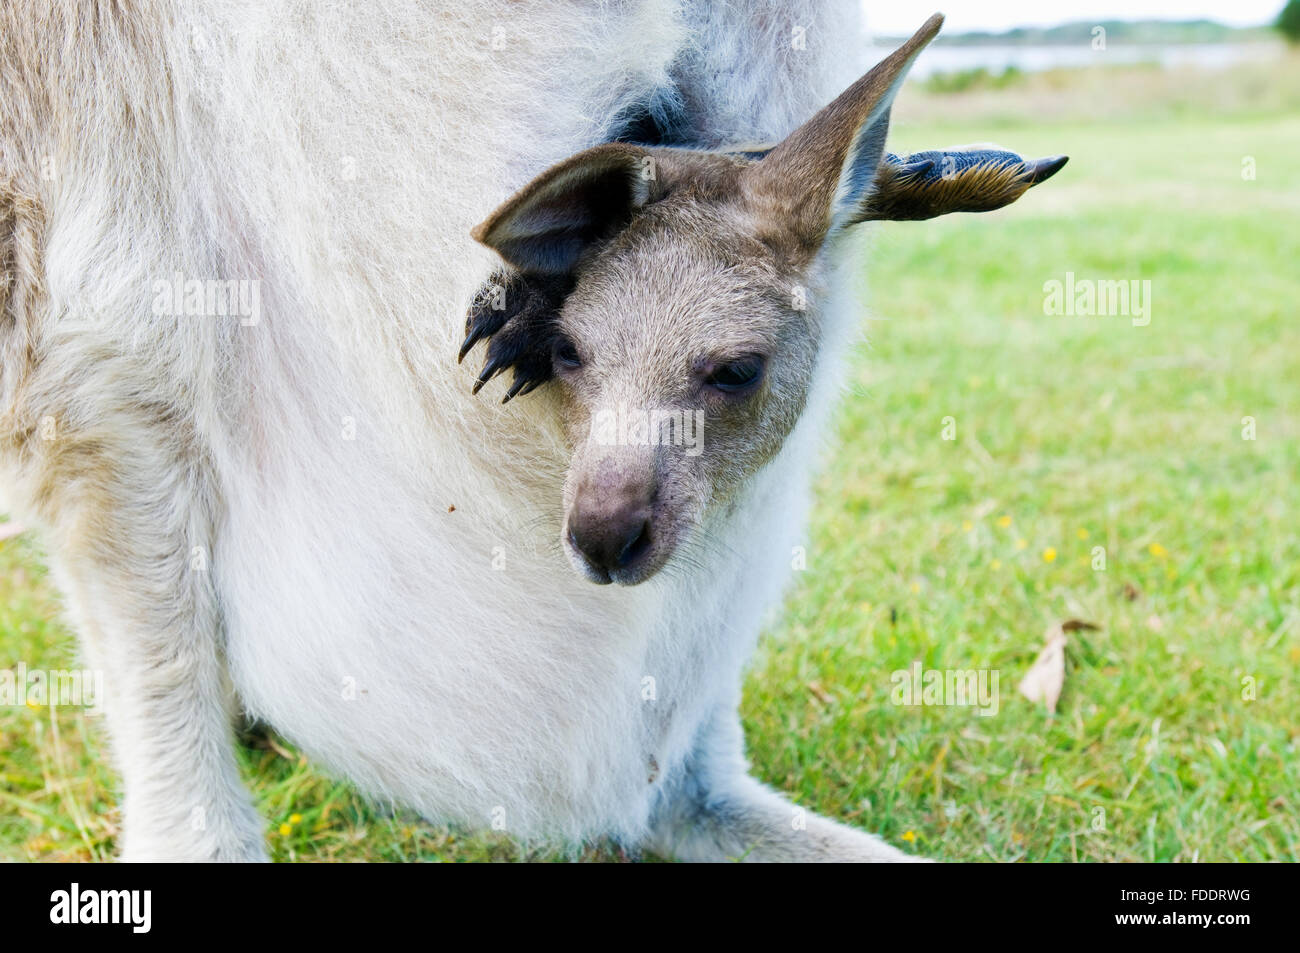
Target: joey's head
point(674, 295)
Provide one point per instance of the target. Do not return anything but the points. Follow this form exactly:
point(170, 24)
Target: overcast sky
point(894, 17)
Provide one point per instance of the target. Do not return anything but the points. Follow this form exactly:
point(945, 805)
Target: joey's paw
point(518, 316)
point(939, 181)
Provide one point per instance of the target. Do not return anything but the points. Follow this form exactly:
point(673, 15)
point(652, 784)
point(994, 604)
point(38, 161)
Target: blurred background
point(999, 468)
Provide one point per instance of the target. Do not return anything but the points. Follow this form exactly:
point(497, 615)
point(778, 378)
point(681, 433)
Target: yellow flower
point(1158, 551)
point(916, 587)
point(285, 830)
point(1049, 555)
point(295, 818)
point(1083, 533)
point(1021, 543)
point(967, 526)
point(909, 836)
point(996, 564)
point(1004, 521)
point(34, 706)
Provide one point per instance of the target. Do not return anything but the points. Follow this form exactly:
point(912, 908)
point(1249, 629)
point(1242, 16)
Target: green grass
point(1071, 433)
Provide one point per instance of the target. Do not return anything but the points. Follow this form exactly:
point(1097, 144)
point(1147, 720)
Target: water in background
point(956, 59)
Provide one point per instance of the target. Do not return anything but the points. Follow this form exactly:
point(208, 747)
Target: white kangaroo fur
point(305, 514)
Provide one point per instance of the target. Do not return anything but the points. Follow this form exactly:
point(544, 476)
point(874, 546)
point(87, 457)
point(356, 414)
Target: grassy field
point(1176, 736)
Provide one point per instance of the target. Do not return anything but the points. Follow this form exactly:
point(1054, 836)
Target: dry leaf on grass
point(1046, 677)
point(819, 693)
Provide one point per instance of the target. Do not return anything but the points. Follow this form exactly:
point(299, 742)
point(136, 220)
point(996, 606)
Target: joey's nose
point(611, 531)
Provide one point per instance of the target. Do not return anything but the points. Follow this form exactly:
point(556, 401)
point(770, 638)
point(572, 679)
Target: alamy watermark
point(1099, 297)
point(209, 298)
point(127, 907)
point(977, 688)
point(77, 688)
point(629, 427)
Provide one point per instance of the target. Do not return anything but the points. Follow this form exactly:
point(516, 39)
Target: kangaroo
point(530, 615)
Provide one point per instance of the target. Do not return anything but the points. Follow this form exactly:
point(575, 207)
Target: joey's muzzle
point(609, 526)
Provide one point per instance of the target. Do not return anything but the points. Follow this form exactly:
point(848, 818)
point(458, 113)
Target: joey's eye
point(737, 376)
point(566, 355)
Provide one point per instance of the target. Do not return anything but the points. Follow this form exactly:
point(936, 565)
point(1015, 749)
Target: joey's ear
point(968, 179)
point(818, 178)
point(545, 226)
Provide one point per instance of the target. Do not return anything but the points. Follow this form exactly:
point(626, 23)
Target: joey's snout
point(610, 527)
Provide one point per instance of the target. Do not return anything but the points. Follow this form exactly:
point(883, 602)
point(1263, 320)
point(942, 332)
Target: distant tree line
point(1288, 21)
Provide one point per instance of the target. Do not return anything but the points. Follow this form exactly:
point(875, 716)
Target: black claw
point(494, 366)
point(515, 388)
point(1040, 170)
point(474, 337)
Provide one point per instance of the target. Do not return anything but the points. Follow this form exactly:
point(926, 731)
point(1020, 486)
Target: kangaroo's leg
point(716, 812)
point(98, 403)
point(127, 504)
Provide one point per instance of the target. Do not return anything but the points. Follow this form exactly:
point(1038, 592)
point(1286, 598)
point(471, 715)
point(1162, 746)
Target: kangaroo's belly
point(429, 658)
